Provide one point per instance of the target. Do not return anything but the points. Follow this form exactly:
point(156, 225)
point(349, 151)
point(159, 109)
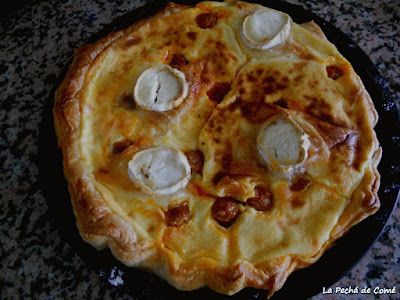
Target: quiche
point(219, 145)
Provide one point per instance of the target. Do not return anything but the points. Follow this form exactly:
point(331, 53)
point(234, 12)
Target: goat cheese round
point(265, 29)
point(282, 143)
point(160, 88)
point(160, 170)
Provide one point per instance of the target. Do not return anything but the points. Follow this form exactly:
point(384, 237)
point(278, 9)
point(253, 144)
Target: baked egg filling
point(160, 88)
point(265, 29)
point(160, 170)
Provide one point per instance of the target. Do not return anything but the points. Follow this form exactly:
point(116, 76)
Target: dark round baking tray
point(302, 284)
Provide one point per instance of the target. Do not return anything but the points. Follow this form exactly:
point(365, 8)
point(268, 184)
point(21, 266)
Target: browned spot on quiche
point(178, 215)
point(218, 91)
point(268, 79)
point(178, 60)
point(120, 146)
point(217, 177)
point(206, 20)
point(334, 72)
point(298, 78)
point(256, 112)
point(320, 109)
point(297, 202)
point(192, 35)
point(300, 183)
point(254, 88)
point(126, 101)
point(251, 78)
point(282, 103)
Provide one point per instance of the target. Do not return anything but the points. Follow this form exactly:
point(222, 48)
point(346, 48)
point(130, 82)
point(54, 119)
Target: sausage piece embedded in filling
point(225, 211)
point(178, 215)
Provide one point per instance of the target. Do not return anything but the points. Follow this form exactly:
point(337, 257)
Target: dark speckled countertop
point(36, 43)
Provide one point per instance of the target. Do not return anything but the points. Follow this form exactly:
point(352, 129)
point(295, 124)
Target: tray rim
point(330, 31)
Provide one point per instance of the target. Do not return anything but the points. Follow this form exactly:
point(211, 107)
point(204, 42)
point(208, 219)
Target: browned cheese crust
point(239, 222)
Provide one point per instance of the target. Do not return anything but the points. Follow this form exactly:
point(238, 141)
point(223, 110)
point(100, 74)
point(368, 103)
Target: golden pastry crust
point(233, 90)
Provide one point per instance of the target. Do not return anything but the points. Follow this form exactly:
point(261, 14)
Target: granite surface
point(36, 42)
